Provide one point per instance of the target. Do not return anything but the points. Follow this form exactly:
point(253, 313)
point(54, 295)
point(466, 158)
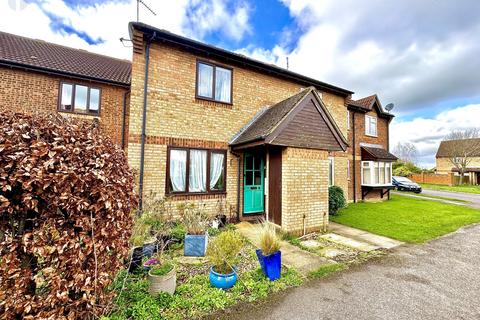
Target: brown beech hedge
point(66, 202)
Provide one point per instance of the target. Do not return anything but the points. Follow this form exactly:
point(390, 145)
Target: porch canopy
point(301, 121)
point(377, 154)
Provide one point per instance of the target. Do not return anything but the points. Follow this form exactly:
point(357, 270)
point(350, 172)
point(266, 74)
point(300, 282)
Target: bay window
point(370, 126)
point(196, 171)
point(214, 82)
point(376, 173)
point(79, 99)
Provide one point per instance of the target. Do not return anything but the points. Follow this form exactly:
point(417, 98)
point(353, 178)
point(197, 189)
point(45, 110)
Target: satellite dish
point(389, 107)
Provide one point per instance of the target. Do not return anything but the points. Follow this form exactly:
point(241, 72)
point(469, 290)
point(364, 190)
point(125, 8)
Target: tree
point(463, 146)
point(406, 152)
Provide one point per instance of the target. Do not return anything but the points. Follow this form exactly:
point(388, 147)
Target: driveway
point(470, 197)
point(438, 280)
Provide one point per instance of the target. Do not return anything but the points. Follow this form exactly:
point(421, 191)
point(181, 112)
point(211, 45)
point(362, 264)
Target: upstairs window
point(214, 82)
point(79, 99)
point(196, 171)
point(370, 126)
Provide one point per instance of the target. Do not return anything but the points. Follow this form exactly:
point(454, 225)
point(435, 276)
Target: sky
point(423, 56)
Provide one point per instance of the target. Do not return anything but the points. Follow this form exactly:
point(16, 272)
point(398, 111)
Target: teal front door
point(253, 184)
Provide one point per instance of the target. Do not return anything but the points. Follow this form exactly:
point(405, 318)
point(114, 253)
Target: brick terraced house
point(39, 76)
point(446, 153)
point(222, 130)
point(212, 127)
point(369, 161)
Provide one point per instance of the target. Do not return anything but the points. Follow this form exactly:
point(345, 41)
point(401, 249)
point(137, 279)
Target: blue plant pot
point(195, 245)
point(271, 265)
point(223, 281)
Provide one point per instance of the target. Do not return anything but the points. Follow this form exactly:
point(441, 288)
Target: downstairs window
point(376, 173)
point(196, 171)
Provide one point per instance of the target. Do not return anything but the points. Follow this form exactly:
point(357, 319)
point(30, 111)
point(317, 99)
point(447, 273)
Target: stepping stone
point(311, 244)
point(303, 261)
point(331, 253)
point(191, 260)
point(358, 245)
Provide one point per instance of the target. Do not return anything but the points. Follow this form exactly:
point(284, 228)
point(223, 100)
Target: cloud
point(426, 134)
point(229, 18)
point(97, 25)
point(416, 54)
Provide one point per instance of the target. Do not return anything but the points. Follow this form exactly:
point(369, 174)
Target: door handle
point(253, 188)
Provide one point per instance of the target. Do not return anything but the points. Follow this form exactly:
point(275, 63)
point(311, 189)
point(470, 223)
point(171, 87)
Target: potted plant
point(196, 223)
point(269, 254)
point(223, 253)
point(162, 278)
point(149, 228)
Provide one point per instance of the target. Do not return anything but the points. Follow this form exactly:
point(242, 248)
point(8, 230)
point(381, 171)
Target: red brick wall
point(445, 179)
point(29, 92)
point(361, 137)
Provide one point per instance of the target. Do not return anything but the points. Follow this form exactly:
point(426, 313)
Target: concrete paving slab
point(364, 236)
point(331, 253)
point(311, 244)
point(349, 242)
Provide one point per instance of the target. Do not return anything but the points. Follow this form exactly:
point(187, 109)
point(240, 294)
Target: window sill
point(196, 196)
point(97, 115)
point(371, 135)
point(213, 101)
point(378, 185)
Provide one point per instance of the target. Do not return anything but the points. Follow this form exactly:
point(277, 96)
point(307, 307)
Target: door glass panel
point(249, 162)
point(258, 161)
point(249, 178)
point(258, 177)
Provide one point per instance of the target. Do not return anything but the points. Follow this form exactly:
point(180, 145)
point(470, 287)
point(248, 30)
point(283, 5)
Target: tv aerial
point(389, 107)
point(146, 6)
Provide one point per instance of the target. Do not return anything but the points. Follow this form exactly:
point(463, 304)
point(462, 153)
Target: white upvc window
point(331, 172)
point(376, 173)
point(370, 126)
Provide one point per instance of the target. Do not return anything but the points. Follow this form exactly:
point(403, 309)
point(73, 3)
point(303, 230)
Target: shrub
point(336, 200)
point(66, 201)
point(195, 220)
point(269, 241)
point(223, 251)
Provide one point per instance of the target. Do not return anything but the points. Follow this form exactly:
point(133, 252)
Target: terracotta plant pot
point(166, 283)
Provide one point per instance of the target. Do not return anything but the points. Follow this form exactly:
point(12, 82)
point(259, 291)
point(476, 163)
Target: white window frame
point(376, 169)
point(331, 164)
point(369, 120)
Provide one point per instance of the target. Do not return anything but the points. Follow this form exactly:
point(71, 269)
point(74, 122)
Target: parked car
point(405, 184)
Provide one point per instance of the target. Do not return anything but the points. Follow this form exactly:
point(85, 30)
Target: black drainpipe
point(144, 125)
point(124, 118)
point(354, 163)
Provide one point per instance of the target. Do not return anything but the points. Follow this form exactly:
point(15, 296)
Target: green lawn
point(468, 188)
point(407, 219)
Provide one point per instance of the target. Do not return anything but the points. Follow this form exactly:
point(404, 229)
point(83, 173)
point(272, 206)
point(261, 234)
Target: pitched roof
point(311, 126)
point(371, 153)
point(367, 104)
point(268, 120)
point(48, 57)
point(446, 147)
point(227, 56)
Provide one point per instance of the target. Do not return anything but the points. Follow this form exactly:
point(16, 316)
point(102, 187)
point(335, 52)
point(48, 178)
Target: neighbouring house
point(369, 159)
point(37, 76)
point(233, 134)
point(446, 153)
